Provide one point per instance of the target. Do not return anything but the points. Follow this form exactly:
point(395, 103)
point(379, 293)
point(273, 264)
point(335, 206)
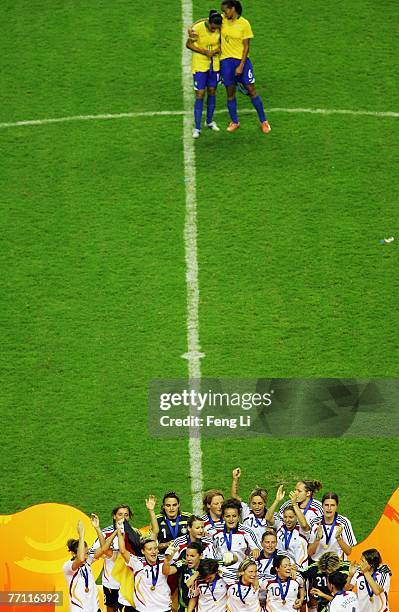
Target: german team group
point(289, 555)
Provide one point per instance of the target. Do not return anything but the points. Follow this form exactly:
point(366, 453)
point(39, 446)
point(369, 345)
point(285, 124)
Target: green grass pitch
point(293, 279)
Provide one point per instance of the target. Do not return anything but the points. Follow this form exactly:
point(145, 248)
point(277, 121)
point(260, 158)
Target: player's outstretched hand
point(236, 473)
point(171, 550)
point(280, 494)
point(151, 502)
point(95, 521)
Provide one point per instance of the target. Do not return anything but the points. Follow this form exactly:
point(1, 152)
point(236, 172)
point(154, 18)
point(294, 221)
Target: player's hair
point(330, 495)
point(245, 564)
point(277, 561)
point(195, 546)
point(372, 557)
point(338, 580)
point(328, 563)
point(290, 508)
point(169, 494)
point(209, 495)
point(269, 532)
point(147, 540)
point(193, 518)
point(72, 545)
point(312, 485)
point(258, 493)
point(215, 17)
point(233, 4)
point(207, 567)
point(235, 504)
point(115, 510)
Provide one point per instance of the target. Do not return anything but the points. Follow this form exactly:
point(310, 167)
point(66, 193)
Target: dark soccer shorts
point(228, 72)
point(111, 597)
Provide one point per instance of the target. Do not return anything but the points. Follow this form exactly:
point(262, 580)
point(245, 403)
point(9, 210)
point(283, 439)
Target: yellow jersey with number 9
point(233, 33)
point(206, 40)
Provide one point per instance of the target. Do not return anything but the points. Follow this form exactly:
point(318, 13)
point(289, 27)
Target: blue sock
point(198, 106)
point(210, 107)
point(257, 102)
point(232, 106)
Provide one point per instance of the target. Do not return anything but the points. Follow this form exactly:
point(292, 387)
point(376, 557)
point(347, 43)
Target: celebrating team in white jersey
point(236, 557)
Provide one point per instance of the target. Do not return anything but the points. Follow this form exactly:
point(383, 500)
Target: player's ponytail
point(312, 485)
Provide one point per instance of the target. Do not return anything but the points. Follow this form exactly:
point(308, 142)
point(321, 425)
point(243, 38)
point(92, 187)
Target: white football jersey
point(241, 597)
point(344, 602)
point(314, 510)
point(146, 577)
point(275, 597)
point(107, 579)
point(258, 526)
point(347, 535)
point(212, 597)
point(294, 545)
point(240, 542)
point(183, 541)
point(83, 594)
point(367, 600)
point(210, 525)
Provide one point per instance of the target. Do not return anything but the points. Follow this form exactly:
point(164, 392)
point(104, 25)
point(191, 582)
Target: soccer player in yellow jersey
point(235, 65)
point(205, 68)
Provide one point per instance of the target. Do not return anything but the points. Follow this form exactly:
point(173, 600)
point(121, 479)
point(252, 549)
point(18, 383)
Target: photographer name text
point(210, 421)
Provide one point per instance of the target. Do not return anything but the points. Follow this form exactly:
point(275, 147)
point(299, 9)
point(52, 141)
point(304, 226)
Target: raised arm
point(299, 514)
point(122, 548)
point(167, 568)
point(106, 548)
point(96, 524)
point(280, 494)
point(312, 547)
point(236, 475)
point(150, 504)
point(81, 552)
point(104, 545)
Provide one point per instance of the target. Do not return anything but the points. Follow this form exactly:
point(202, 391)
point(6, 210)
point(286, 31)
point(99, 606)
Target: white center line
point(193, 354)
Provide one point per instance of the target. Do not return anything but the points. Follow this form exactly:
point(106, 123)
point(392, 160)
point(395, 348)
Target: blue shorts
point(202, 80)
point(228, 71)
